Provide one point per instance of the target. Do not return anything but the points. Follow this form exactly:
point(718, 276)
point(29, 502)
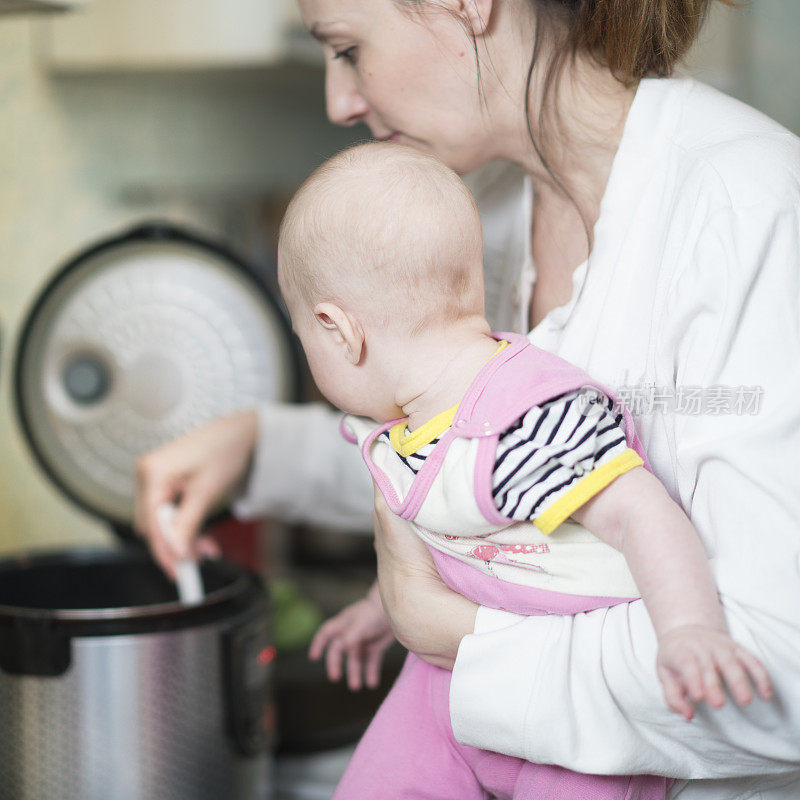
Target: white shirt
point(693, 281)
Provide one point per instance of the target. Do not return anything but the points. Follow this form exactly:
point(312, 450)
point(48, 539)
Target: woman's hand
point(193, 472)
point(361, 633)
point(427, 617)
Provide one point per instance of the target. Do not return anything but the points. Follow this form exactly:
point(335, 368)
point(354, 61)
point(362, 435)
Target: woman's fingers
point(196, 499)
point(194, 470)
point(163, 555)
point(207, 547)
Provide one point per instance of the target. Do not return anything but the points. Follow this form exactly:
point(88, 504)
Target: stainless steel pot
point(112, 690)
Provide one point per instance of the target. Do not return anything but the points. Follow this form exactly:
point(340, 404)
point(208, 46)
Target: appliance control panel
point(248, 672)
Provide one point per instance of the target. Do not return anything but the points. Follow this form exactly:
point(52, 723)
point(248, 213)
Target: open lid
point(137, 340)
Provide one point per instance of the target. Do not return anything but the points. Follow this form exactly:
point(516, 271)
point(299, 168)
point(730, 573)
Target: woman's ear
point(346, 330)
point(475, 13)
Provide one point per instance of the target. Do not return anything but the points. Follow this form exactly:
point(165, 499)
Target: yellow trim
point(406, 444)
point(584, 490)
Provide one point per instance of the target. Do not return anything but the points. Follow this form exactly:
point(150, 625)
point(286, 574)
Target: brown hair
point(635, 38)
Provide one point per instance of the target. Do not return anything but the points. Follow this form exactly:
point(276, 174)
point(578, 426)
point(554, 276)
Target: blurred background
point(206, 115)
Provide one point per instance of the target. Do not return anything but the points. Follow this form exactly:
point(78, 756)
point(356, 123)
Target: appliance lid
point(139, 339)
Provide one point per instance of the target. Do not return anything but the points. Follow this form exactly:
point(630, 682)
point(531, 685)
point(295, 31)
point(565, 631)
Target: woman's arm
point(303, 470)
point(293, 459)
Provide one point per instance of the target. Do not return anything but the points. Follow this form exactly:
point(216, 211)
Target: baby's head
point(381, 243)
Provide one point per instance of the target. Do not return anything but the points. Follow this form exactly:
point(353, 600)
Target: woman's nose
point(345, 105)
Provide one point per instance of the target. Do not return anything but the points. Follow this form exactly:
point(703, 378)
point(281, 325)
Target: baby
point(524, 476)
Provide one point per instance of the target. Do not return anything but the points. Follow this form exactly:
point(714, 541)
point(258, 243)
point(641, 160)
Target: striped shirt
point(547, 452)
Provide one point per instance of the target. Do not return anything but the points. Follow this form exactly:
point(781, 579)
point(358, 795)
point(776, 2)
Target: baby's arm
point(636, 515)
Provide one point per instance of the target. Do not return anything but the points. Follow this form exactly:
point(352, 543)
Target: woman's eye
point(348, 54)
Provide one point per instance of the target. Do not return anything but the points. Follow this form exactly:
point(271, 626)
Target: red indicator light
point(266, 655)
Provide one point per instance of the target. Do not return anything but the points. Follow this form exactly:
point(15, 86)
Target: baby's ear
point(346, 330)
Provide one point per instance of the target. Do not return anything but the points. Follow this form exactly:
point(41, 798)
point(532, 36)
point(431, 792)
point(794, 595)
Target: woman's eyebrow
point(320, 31)
point(318, 34)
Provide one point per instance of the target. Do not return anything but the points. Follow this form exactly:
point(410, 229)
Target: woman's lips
point(392, 137)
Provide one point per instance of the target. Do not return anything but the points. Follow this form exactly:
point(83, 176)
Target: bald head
point(389, 230)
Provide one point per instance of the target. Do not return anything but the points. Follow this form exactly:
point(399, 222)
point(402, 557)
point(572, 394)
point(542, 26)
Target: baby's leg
point(407, 753)
point(547, 782)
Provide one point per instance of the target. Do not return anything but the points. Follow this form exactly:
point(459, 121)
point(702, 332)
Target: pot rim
point(240, 584)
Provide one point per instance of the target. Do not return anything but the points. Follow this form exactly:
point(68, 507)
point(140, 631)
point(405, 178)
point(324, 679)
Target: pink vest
point(519, 377)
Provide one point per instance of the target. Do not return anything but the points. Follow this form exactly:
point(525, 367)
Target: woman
point(663, 222)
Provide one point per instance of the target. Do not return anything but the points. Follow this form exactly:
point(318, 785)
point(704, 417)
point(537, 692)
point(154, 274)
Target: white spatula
point(187, 571)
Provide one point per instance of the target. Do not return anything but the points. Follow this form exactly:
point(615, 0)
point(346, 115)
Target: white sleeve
point(304, 470)
point(582, 691)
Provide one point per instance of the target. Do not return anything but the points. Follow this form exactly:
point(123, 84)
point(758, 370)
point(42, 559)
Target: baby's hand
point(361, 634)
point(694, 660)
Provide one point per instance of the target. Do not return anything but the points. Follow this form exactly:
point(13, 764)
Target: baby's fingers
point(355, 663)
point(735, 679)
point(758, 674)
point(333, 659)
point(327, 631)
point(713, 692)
point(691, 677)
point(372, 668)
point(674, 694)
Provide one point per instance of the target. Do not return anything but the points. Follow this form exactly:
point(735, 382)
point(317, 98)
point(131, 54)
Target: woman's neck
point(577, 130)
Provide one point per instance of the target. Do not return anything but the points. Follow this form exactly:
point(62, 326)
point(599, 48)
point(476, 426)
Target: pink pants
point(409, 753)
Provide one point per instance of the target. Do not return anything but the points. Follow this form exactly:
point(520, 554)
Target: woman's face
point(409, 75)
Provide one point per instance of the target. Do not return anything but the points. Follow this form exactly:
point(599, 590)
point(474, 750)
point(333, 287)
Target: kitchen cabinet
point(120, 35)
